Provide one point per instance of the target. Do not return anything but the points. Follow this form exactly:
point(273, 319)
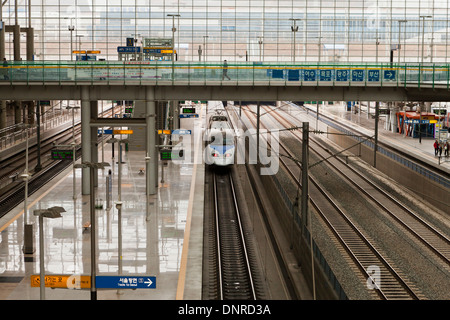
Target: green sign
point(188, 110)
point(167, 154)
point(62, 154)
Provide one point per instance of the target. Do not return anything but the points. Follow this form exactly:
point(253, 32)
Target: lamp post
point(204, 48)
point(260, 42)
point(28, 247)
point(119, 200)
point(73, 148)
point(71, 28)
point(173, 33)
point(294, 29)
point(399, 37)
point(53, 212)
point(93, 166)
point(79, 36)
point(423, 45)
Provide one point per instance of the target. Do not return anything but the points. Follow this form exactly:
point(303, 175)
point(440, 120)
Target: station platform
point(166, 243)
point(364, 123)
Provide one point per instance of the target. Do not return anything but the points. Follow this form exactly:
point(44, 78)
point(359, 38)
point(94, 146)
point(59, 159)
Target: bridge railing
point(273, 73)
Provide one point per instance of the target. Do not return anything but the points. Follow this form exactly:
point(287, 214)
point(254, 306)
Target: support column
point(16, 42)
point(85, 138)
point(3, 114)
point(30, 44)
point(17, 112)
point(152, 165)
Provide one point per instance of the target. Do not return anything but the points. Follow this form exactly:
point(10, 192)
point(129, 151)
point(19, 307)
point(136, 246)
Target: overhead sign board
point(342, 75)
point(309, 75)
point(187, 115)
point(128, 49)
point(357, 75)
point(62, 281)
point(325, 75)
point(109, 131)
point(373, 75)
point(62, 154)
point(181, 131)
point(389, 74)
point(125, 282)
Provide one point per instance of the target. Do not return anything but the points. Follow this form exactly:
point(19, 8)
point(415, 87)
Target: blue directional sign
point(128, 49)
point(125, 282)
point(189, 115)
point(389, 75)
point(373, 75)
point(325, 75)
point(342, 75)
point(309, 75)
point(357, 75)
point(181, 131)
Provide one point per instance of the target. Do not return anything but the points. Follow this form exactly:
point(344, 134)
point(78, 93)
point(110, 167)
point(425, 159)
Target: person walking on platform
point(436, 147)
point(446, 147)
point(225, 70)
point(440, 149)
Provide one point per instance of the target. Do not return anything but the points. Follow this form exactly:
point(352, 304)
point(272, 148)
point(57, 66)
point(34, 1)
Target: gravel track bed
point(416, 263)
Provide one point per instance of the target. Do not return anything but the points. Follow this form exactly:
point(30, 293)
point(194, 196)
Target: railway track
point(234, 274)
point(428, 235)
point(388, 284)
point(13, 194)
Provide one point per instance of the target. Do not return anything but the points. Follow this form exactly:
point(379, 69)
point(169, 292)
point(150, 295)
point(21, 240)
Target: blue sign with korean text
point(325, 75)
point(309, 75)
point(357, 75)
point(125, 282)
point(128, 49)
point(373, 75)
point(342, 75)
point(181, 131)
point(189, 115)
point(389, 74)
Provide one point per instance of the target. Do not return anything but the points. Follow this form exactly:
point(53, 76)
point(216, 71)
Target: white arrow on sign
point(148, 282)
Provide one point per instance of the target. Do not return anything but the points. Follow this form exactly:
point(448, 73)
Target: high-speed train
point(220, 142)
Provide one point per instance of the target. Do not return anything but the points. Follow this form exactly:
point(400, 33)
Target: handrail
point(303, 73)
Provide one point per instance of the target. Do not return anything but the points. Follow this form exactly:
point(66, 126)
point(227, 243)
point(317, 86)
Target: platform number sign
point(342, 75)
point(373, 75)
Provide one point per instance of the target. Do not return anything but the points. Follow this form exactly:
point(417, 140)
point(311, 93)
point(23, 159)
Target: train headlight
point(214, 154)
point(227, 155)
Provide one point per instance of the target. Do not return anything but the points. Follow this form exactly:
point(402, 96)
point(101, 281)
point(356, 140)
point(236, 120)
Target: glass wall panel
point(244, 30)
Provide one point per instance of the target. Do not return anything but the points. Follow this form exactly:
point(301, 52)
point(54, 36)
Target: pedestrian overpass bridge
point(263, 81)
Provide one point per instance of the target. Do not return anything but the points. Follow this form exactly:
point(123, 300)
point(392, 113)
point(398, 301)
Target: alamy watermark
point(243, 145)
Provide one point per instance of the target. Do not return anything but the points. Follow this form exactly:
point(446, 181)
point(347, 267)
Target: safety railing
point(267, 73)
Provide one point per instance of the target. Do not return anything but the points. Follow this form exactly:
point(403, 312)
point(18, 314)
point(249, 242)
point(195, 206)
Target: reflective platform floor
point(152, 244)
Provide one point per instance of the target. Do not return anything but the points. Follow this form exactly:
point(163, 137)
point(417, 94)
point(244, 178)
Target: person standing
point(5, 69)
point(225, 70)
point(446, 147)
point(436, 147)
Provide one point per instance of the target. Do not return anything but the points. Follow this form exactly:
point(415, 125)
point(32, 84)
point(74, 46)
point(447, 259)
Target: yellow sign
point(164, 131)
point(79, 51)
point(168, 51)
point(123, 131)
point(62, 281)
point(94, 51)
